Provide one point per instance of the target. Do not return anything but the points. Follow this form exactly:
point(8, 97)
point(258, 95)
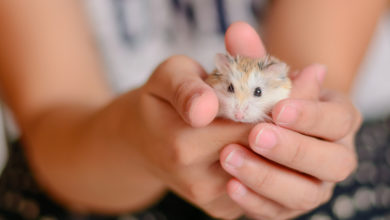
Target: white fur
point(254, 108)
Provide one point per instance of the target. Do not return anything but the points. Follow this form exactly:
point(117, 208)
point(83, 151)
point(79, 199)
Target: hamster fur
point(248, 88)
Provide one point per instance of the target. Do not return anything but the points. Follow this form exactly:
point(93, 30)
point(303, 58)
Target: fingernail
point(238, 189)
point(287, 115)
point(321, 73)
point(234, 159)
point(265, 139)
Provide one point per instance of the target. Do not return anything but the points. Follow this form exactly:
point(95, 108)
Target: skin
point(95, 152)
point(290, 143)
point(344, 29)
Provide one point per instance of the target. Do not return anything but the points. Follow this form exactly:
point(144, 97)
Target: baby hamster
point(248, 88)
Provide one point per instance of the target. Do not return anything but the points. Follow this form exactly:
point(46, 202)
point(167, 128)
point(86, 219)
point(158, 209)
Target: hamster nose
point(239, 115)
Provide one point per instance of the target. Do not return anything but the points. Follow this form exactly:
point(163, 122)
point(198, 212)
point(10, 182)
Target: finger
point(324, 160)
point(216, 135)
point(242, 39)
point(286, 187)
point(327, 120)
point(334, 96)
point(307, 83)
point(258, 206)
point(223, 207)
point(178, 81)
point(190, 146)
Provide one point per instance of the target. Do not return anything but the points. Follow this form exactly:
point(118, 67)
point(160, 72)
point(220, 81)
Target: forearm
point(81, 157)
point(47, 57)
point(51, 77)
point(334, 33)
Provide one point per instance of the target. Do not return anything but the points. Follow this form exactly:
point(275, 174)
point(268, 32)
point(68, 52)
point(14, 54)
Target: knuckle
point(309, 116)
point(172, 61)
point(359, 118)
point(348, 166)
point(144, 102)
point(165, 68)
point(347, 124)
point(264, 209)
point(316, 117)
point(198, 195)
point(310, 199)
point(350, 120)
point(183, 153)
point(298, 153)
point(327, 196)
point(265, 178)
point(202, 192)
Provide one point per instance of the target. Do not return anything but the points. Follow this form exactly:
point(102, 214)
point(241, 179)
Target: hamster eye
point(230, 88)
point(257, 92)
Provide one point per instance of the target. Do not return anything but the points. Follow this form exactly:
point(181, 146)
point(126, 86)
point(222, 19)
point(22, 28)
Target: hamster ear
point(274, 65)
point(284, 69)
point(280, 68)
point(223, 62)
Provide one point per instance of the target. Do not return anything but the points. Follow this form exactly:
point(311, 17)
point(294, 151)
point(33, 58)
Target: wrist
point(82, 159)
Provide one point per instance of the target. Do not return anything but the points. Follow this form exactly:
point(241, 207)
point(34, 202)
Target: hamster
point(248, 88)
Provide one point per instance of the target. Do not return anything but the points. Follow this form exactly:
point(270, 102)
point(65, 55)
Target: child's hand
point(155, 137)
point(170, 105)
point(292, 166)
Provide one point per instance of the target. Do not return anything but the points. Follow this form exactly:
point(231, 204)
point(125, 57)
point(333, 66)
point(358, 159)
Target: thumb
point(242, 39)
point(307, 84)
point(178, 81)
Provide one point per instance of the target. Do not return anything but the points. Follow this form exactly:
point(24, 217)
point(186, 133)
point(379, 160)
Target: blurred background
point(130, 49)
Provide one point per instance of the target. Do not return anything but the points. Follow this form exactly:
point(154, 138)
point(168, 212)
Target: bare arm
point(51, 77)
point(334, 33)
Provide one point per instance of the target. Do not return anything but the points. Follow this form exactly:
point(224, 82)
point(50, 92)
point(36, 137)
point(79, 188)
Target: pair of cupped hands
point(267, 170)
